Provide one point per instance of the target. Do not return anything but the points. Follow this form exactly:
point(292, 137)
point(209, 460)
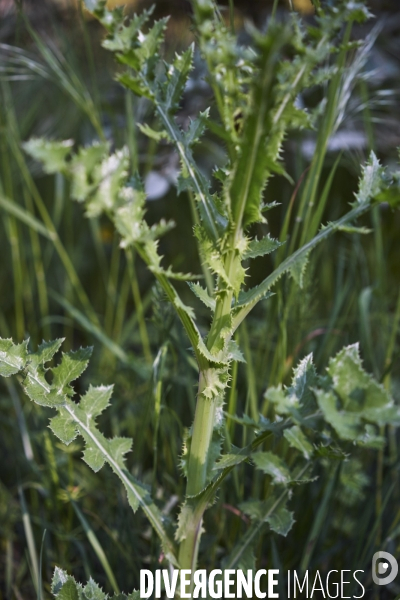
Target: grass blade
point(25, 217)
point(97, 547)
point(30, 540)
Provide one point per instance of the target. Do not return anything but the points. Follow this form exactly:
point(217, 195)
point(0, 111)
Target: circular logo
point(384, 568)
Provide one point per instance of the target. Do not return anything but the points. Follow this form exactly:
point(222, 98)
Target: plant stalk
point(202, 433)
point(203, 427)
point(197, 472)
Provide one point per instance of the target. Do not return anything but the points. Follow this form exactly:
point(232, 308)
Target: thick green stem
point(197, 471)
point(224, 297)
point(203, 426)
point(202, 433)
point(189, 547)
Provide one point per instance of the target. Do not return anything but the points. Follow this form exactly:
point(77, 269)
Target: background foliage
point(65, 276)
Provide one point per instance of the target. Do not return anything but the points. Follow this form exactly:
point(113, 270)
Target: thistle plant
point(318, 417)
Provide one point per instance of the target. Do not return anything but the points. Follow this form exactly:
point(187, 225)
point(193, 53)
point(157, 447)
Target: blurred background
point(63, 275)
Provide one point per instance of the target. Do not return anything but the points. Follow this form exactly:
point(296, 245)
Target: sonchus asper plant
point(256, 90)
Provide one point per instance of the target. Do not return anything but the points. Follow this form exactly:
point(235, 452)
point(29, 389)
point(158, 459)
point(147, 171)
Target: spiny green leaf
point(105, 194)
point(37, 388)
point(298, 269)
point(261, 247)
point(129, 217)
point(123, 38)
point(352, 383)
point(213, 218)
point(96, 400)
point(133, 47)
point(270, 511)
point(298, 118)
point(197, 128)
point(170, 274)
point(229, 64)
point(354, 229)
point(215, 382)
point(177, 76)
point(58, 580)
point(92, 591)
point(222, 173)
point(63, 427)
point(97, 176)
point(230, 460)
point(118, 447)
point(202, 295)
point(331, 452)
point(371, 180)
point(296, 260)
point(139, 50)
point(94, 457)
point(72, 365)
point(281, 521)
point(298, 440)
point(272, 465)
point(150, 43)
point(82, 166)
point(136, 494)
point(214, 452)
point(215, 260)
point(234, 352)
point(250, 297)
point(371, 439)
point(74, 418)
point(250, 172)
point(263, 424)
point(346, 424)
point(183, 307)
point(64, 587)
point(348, 399)
point(283, 403)
point(12, 357)
point(357, 11)
point(46, 351)
point(390, 193)
point(304, 379)
point(184, 520)
point(108, 178)
point(136, 85)
point(269, 206)
point(217, 358)
point(69, 591)
point(51, 154)
point(151, 133)
point(358, 390)
point(35, 383)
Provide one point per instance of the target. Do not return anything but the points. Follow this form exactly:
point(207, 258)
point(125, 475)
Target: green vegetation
point(260, 435)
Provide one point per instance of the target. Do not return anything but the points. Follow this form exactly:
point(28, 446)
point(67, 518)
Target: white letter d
point(146, 578)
